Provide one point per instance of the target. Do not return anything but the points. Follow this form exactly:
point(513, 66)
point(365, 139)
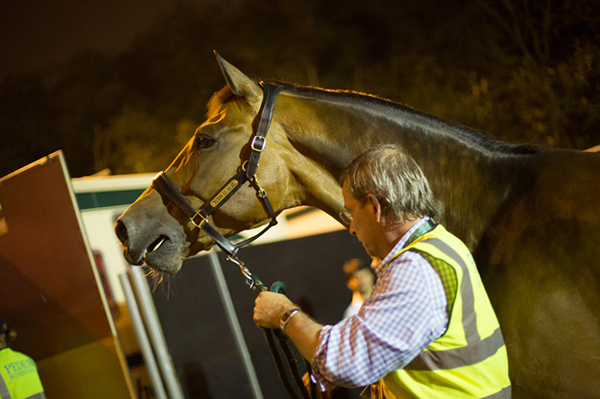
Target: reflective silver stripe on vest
point(477, 349)
point(4, 394)
point(40, 395)
point(4, 389)
point(505, 393)
point(459, 357)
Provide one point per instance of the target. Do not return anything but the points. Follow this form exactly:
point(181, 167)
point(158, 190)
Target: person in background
point(428, 330)
point(19, 377)
point(360, 279)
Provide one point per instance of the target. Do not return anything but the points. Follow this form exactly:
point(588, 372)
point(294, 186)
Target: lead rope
point(280, 288)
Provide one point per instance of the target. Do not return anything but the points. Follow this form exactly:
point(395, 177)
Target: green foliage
point(557, 105)
point(136, 142)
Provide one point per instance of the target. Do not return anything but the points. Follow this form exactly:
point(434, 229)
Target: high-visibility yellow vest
point(469, 360)
point(20, 379)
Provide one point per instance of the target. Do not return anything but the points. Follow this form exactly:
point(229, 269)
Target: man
point(360, 279)
point(19, 378)
point(428, 329)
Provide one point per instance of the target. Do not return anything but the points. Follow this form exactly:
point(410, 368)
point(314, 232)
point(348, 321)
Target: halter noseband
point(199, 218)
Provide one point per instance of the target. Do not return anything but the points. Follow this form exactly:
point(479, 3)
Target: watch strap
point(287, 316)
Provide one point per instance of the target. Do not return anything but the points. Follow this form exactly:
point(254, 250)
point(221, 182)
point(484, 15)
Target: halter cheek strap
point(199, 218)
point(264, 116)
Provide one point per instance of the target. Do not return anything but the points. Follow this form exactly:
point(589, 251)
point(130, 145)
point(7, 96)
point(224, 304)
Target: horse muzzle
point(160, 244)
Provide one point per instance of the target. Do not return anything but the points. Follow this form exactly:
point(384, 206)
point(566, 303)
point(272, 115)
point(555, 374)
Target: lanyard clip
point(252, 281)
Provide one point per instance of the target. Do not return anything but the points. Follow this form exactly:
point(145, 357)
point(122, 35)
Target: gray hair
point(394, 178)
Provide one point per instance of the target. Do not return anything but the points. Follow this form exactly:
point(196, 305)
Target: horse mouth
point(161, 246)
point(155, 245)
point(163, 255)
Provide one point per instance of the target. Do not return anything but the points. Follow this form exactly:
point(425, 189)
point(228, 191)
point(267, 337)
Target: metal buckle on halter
point(262, 143)
point(260, 191)
point(246, 163)
point(198, 225)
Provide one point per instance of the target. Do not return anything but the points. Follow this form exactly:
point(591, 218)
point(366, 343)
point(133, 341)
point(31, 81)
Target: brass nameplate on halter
point(226, 190)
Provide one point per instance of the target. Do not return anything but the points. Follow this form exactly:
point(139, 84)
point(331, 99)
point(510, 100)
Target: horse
point(530, 215)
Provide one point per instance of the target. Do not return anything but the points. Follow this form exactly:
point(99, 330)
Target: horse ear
point(239, 83)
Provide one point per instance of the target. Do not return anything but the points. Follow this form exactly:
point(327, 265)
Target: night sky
point(35, 34)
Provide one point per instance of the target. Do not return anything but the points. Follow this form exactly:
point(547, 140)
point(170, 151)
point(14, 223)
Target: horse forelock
point(218, 99)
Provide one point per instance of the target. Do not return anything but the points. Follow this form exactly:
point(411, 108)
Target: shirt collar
point(380, 267)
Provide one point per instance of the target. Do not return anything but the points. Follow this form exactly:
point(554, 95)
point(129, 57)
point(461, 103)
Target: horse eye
point(203, 142)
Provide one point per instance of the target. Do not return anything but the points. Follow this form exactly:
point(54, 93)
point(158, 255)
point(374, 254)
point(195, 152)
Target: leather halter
point(199, 218)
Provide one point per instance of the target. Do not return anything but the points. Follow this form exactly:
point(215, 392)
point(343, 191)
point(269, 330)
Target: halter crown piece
point(199, 218)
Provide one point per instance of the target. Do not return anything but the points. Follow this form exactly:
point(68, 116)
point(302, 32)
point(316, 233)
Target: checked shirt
point(404, 314)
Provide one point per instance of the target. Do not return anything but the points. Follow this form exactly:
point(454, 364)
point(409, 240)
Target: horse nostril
point(121, 232)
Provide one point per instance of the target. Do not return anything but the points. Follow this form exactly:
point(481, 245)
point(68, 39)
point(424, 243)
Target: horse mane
point(460, 132)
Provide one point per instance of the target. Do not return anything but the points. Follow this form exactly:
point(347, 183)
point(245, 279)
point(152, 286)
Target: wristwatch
point(287, 316)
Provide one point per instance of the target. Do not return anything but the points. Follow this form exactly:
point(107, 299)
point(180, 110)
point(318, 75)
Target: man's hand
point(269, 307)
point(302, 330)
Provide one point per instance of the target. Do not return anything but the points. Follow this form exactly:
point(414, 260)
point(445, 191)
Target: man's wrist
point(286, 317)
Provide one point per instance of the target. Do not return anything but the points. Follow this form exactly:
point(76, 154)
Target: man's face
point(363, 224)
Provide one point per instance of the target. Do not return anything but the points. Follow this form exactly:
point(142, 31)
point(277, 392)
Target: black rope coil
point(280, 288)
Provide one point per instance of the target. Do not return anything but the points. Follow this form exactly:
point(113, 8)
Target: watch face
point(285, 318)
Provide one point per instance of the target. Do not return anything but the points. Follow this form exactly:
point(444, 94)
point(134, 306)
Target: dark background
point(122, 85)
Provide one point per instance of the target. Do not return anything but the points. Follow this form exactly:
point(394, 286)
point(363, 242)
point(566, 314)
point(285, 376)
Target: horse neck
point(469, 181)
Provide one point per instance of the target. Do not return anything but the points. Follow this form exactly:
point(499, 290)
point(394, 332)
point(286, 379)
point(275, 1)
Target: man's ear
point(377, 208)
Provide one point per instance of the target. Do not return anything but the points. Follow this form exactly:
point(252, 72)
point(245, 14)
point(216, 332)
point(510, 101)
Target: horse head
point(158, 233)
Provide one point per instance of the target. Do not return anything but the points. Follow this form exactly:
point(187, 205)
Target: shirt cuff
point(316, 377)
